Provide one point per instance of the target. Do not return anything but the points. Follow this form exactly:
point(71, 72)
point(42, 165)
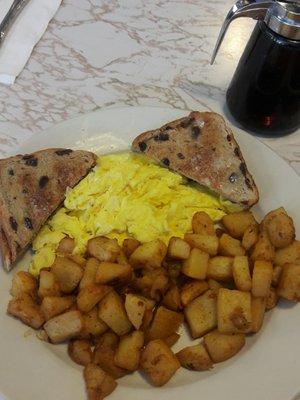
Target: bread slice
point(32, 186)
point(202, 147)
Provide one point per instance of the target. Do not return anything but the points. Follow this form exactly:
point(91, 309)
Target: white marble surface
point(106, 53)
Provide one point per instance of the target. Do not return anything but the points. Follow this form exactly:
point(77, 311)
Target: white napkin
point(26, 31)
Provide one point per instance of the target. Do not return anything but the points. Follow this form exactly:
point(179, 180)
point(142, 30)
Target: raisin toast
point(202, 148)
point(32, 186)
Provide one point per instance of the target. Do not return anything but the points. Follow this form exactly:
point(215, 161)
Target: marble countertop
point(108, 53)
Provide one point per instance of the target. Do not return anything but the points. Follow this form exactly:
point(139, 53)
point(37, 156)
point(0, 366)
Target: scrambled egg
point(125, 195)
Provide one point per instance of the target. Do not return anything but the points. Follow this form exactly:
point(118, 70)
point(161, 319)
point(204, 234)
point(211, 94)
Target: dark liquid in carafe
point(264, 94)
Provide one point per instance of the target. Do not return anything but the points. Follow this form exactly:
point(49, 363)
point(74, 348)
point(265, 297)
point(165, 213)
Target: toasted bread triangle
point(31, 188)
point(202, 147)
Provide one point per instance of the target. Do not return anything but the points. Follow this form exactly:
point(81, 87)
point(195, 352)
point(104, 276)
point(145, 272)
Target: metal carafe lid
point(282, 17)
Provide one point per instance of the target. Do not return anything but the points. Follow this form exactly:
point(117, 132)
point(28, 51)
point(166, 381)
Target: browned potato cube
point(48, 285)
point(89, 296)
point(173, 268)
point(165, 322)
point(104, 355)
point(241, 273)
point(52, 305)
point(178, 249)
point(280, 227)
point(272, 299)
point(98, 383)
point(220, 268)
point(24, 282)
point(201, 314)
point(263, 249)
point(24, 308)
point(234, 311)
point(172, 339)
point(154, 283)
point(207, 243)
point(159, 287)
point(92, 324)
point(258, 307)
point(221, 347)
point(129, 245)
point(80, 351)
point(64, 326)
point(135, 307)
point(78, 259)
point(66, 245)
point(195, 358)
point(230, 247)
point(202, 223)
point(212, 284)
point(112, 312)
point(261, 278)
point(196, 265)
point(103, 248)
point(128, 353)
point(147, 319)
point(191, 290)
point(288, 254)
point(289, 283)
point(159, 362)
point(236, 223)
point(149, 255)
point(277, 271)
point(67, 273)
point(89, 273)
point(172, 298)
point(112, 273)
point(250, 236)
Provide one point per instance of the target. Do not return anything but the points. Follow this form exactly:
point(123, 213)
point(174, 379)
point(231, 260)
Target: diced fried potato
point(207, 243)
point(288, 254)
point(289, 283)
point(202, 223)
point(220, 268)
point(236, 223)
point(261, 278)
point(67, 273)
point(89, 273)
point(229, 246)
point(48, 285)
point(98, 383)
point(128, 353)
point(53, 305)
point(164, 323)
point(172, 298)
point(103, 248)
point(154, 283)
point(66, 245)
point(280, 227)
point(234, 311)
point(258, 307)
point(92, 324)
point(78, 259)
point(64, 326)
point(277, 271)
point(147, 319)
point(149, 255)
point(173, 268)
point(178, 248)
point(136, 307)
point(172, 339)
point(122, 259)
point(195, 358)
point(104, 355)
point(24, 282)
point(221, 347)
point(159, 287)
point(263, 249)
point(201, 314)
point(129, 245)
point(112, 312)
point(112, 273)
point(250, 236)
point(191, 290)
point(91, 295)
point(212, 284)
point(241, 273)
point(24, 308)
point(196, 265)
point(159, 362)
point(272, 299)
point(80, 351)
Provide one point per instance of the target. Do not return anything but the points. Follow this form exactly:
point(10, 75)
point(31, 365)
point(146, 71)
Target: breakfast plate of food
point(148, 252)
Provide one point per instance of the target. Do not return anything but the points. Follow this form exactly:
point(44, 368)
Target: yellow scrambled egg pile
point(125, 195)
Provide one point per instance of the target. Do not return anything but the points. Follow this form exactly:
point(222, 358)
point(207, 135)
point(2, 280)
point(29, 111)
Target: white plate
point(267, 368)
